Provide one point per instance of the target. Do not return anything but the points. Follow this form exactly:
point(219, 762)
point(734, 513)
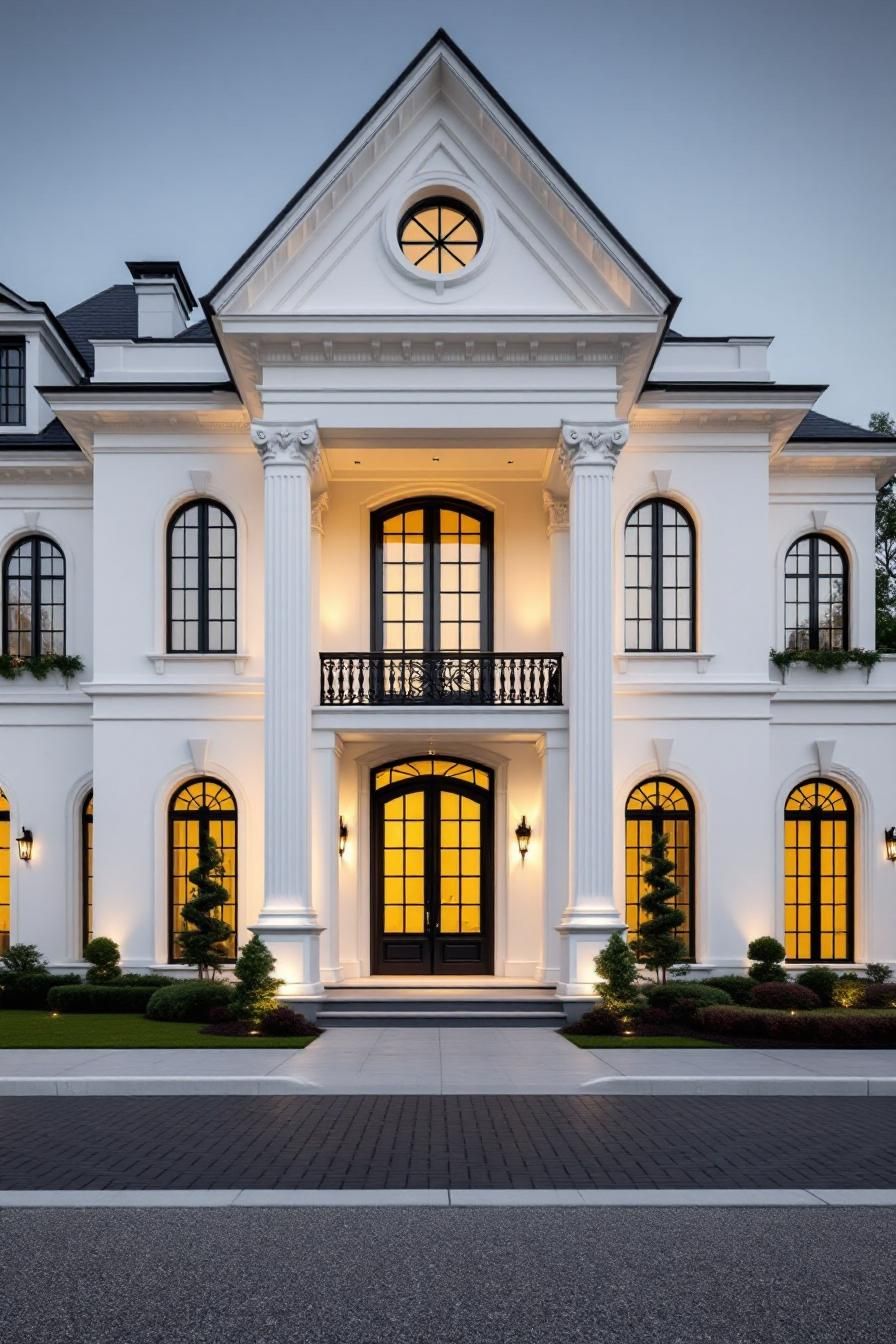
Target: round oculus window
point(439, 235)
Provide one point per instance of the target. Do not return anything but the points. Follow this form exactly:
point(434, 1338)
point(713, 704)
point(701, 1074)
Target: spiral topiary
point(202, 944)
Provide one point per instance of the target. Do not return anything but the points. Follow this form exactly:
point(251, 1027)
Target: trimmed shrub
point(766, 955)
point(99, 999)
point(22, 959)
point(681, 1001)
point(738, 987)
point(774, 994)
point(849, 992)
point(818, 1028)
point(284, 1022)
point(877, 995)
point(148, 981)
point(878, 972)
point(31, 990)
point(821, 980)
point(256, 990)
point(618, 968)
point(189, 1001)
point(104, 955)
point(596, 1022)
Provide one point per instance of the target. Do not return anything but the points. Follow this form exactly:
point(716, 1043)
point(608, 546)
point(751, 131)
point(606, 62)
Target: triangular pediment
point(546, 249)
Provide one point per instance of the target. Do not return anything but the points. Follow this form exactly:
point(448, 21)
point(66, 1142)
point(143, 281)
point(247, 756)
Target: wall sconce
point(25, 842)
point(890, 841)
point(343, 836)
point(523, 836)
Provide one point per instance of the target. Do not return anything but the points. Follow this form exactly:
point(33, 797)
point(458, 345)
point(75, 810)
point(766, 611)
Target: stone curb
point(443, 1199)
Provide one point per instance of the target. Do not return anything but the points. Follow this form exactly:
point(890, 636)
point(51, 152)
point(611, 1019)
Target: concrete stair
point(506, 1007)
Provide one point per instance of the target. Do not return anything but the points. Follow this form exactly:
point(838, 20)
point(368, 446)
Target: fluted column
point(288, 921)
point(589, 454)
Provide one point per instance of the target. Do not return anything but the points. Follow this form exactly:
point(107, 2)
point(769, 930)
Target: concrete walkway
point(434, 1061)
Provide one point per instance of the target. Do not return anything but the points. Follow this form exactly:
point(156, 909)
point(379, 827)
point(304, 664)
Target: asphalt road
point(456, 1276)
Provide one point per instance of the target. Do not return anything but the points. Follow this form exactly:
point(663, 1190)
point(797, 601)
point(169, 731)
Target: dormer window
point(12, 382)
point(439, 235)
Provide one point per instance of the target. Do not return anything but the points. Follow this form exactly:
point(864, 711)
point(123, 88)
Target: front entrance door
point(432, 868)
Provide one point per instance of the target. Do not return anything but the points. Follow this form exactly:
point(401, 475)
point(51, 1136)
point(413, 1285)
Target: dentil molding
point(287, 445)
point(591, 445)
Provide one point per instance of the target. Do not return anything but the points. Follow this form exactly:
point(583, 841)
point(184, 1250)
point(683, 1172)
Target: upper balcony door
point(432, 597)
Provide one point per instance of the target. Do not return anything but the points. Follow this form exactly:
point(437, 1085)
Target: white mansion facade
point(430, 545)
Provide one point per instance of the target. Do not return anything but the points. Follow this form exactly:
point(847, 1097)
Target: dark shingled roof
point(110, 315)
point(54, 437)
point(815, 428)
point(200, 332)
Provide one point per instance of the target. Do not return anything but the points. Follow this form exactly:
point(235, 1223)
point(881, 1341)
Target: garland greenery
point(40, 666)
point(824, 660)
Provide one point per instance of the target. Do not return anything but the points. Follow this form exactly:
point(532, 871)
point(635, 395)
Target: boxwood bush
point(682, 1000)
point(739, 987)
point(189, 1001)
point(876, 995)
point(596, 1022)
point(821, 980)
point(31, 989)
point(106, 998)
point(820, 1027)
point(783, 994)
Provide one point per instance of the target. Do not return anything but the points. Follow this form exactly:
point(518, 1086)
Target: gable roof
point(110, 315)
point(37, 306)
point(53, 436)
point(441, 38)
point(815, 428)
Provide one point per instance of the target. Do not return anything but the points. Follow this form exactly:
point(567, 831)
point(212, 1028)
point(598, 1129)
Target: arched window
point(198, 808)
point(816, 594)
point(659, 579)
point(34, 598)
point(5, 837)
point(818, 873)
point(87, 869)
point(432, 568)
point(202, 579)
point(655, 807)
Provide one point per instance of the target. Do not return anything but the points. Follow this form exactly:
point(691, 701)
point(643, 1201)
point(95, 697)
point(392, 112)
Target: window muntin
point(5, 842)
point(202, 579)
point(439, 235)
point(816, 593)
point(655, 807)
point(659, 579)
point(34, 598)
point(200, 807)
point(432, 577)
point(87, 869)
point(818, 873)
point(12, 382)
point(432, 765)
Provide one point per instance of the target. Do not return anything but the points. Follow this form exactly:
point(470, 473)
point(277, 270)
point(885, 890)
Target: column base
point(295, 942)
point(581, 939)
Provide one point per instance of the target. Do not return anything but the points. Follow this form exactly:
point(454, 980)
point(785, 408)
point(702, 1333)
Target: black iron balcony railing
point(441, 679)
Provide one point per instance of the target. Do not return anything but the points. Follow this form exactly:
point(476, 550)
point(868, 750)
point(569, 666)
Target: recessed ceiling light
point(437, 459)
point(510, 461)
point(357, 461)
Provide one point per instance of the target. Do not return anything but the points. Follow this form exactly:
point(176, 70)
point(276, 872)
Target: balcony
point(441, 679)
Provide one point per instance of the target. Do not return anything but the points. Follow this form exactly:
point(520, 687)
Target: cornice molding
point(282, 445)
point(398, 350)
point(591, 445)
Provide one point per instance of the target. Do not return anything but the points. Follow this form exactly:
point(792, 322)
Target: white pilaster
point(557, 510)
point(288, 922)
point(553, 748)
point(326, 750)
point(589, 454)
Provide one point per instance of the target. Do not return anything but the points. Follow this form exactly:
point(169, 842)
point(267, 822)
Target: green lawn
point(645, 1043)
point(20, 1028)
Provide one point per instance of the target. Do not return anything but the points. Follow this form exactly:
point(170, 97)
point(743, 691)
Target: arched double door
point(432, 879)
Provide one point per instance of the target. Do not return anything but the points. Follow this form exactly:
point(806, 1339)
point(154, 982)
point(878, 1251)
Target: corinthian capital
point(591, 445)
point(287, 445)
point(557, 510)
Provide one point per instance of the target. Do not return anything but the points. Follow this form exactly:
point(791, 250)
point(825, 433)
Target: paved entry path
point(437, 1142)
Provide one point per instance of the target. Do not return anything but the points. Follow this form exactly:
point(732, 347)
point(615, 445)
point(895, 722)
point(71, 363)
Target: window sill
point(626, 662)
point(162, 661)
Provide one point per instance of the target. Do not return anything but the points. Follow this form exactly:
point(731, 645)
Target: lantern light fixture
point(343, 836)
point(25, 842)
point(523, 836)
point(890, 841)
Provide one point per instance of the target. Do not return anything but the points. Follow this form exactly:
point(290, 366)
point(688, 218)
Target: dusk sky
point(745, 149)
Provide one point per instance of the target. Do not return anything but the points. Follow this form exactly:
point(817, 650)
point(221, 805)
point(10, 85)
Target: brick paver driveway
point(436, 1142)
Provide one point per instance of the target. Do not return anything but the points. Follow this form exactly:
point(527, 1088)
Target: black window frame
point(35, 540)
point(86, 868)
point(656, 816)
point(814, 603)
point(202, 619)
point(19, 344)
point(815, 816)
point(440, 240)
point(203, 815)
point(656, 504)
point(431, 505)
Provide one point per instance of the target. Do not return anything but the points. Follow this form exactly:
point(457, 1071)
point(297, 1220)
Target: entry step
point(440, 1009)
